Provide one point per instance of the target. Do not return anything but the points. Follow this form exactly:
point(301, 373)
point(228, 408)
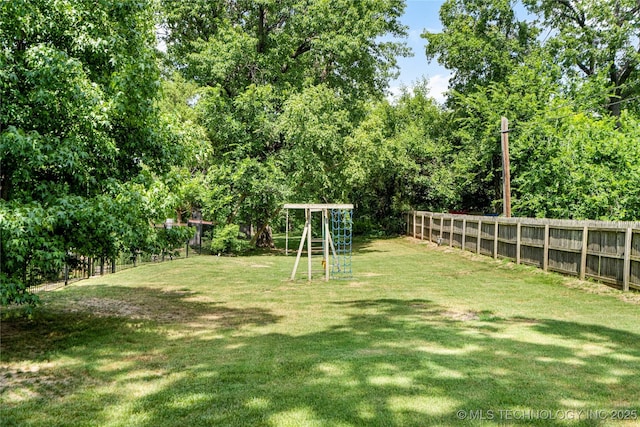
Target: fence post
point(113, 265)
point(495, 240)
point(583, 258)
point(518, 237)
point(545, 255)
point(422, 226)
point(414, 224)
point(408, 216)
point(478, 246)
point(431, 227)
point(451, 220)
point(464, 232)
point(626, 275)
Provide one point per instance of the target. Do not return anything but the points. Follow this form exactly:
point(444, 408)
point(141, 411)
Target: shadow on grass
point(390, 362)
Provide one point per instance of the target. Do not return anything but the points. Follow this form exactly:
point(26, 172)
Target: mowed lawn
point(420, 336)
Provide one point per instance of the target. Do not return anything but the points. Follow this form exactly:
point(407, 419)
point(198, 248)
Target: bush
point(228, 240)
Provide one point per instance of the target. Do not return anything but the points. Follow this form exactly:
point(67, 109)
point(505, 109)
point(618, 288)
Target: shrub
point(227, 240)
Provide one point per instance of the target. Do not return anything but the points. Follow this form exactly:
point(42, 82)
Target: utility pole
point(506, 169)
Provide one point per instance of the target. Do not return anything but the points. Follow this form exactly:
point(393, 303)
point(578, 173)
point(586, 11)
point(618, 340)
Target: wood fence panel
point(531, 255)
point(445, 230)
point(507, 240)
point(532, 245)
point(486, 239)
point(570, 239)
point(606, 251)
point(564, 262)
point(634, 277)
point(457, 233)
point(471, 240)
point(635, 245)
point(607, 242)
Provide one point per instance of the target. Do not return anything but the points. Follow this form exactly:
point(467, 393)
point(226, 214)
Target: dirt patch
point(463, 316)
point(356, 284)
point(158, 309)
point(632, 297)
point(166, 309)
point(33, 381)
point(106, 307)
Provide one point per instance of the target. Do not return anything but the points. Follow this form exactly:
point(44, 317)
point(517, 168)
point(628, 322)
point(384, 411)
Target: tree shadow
point(389, 362)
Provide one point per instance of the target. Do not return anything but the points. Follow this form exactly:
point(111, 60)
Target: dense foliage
point(567, 77)
point(79, 136)
point(282, 85)
point(251, 104)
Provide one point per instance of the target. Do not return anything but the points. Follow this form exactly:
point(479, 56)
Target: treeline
point(251, 104)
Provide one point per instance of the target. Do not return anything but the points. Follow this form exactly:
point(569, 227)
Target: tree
point(289, 43)
point(401, 159)
point(568, 164)
point(482, 41)
point(598, 39)
point(587, 63)
point(78, 82)
point(260, 65)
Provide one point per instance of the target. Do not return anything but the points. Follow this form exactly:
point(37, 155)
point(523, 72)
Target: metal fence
point(604, 251)
point(81, 267)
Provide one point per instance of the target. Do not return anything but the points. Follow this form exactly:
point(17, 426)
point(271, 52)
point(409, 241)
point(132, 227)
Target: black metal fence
point(80, 267)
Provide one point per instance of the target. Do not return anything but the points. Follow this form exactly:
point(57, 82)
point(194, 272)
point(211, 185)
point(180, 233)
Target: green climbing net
point(342, 235)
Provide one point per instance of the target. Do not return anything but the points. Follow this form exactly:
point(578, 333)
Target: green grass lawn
point(420, 336)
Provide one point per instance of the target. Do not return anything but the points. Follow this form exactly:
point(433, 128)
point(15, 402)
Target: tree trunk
point(615, 106)
point(264, 237)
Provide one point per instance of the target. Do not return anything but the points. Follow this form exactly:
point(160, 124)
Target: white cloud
point(393, 92)
point(438, 86)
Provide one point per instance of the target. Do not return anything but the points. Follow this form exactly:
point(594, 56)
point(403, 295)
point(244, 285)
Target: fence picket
point(601, 250)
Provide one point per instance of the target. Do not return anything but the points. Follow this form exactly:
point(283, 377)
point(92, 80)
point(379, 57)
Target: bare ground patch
point(460, 316)
point(632, 297)
point(25, 382)
point(181, 307)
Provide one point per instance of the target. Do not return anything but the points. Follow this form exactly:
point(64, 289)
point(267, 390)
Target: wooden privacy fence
point(605, 251)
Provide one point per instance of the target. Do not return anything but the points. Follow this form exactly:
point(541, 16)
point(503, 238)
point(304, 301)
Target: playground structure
point(335, 239)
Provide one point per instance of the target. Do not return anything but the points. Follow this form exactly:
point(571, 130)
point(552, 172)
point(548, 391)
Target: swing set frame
point(327, 241)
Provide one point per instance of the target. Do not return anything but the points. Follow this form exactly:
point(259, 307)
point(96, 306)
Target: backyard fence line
point(87, 267)
point(605, 251)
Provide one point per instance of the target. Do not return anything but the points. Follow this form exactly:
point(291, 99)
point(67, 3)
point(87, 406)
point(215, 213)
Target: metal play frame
point(326, 240)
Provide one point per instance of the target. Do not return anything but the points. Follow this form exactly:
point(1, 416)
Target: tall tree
point(78, 80)
point(401, 160)
point(261, 63)
point(572, 164)
point(482, 41)
point(599, 39)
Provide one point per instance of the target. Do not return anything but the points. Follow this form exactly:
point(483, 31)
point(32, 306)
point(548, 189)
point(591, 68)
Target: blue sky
point(421, 15)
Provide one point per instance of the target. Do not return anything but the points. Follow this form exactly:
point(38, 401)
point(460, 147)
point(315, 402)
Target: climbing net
point(342, 236)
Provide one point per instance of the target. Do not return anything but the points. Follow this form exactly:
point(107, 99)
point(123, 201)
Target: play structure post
point(309, 248)
point(286, 235)
point(326, 243)
point(307, 235)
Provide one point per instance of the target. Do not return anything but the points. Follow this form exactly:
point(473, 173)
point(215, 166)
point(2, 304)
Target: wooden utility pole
point(506, 171)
